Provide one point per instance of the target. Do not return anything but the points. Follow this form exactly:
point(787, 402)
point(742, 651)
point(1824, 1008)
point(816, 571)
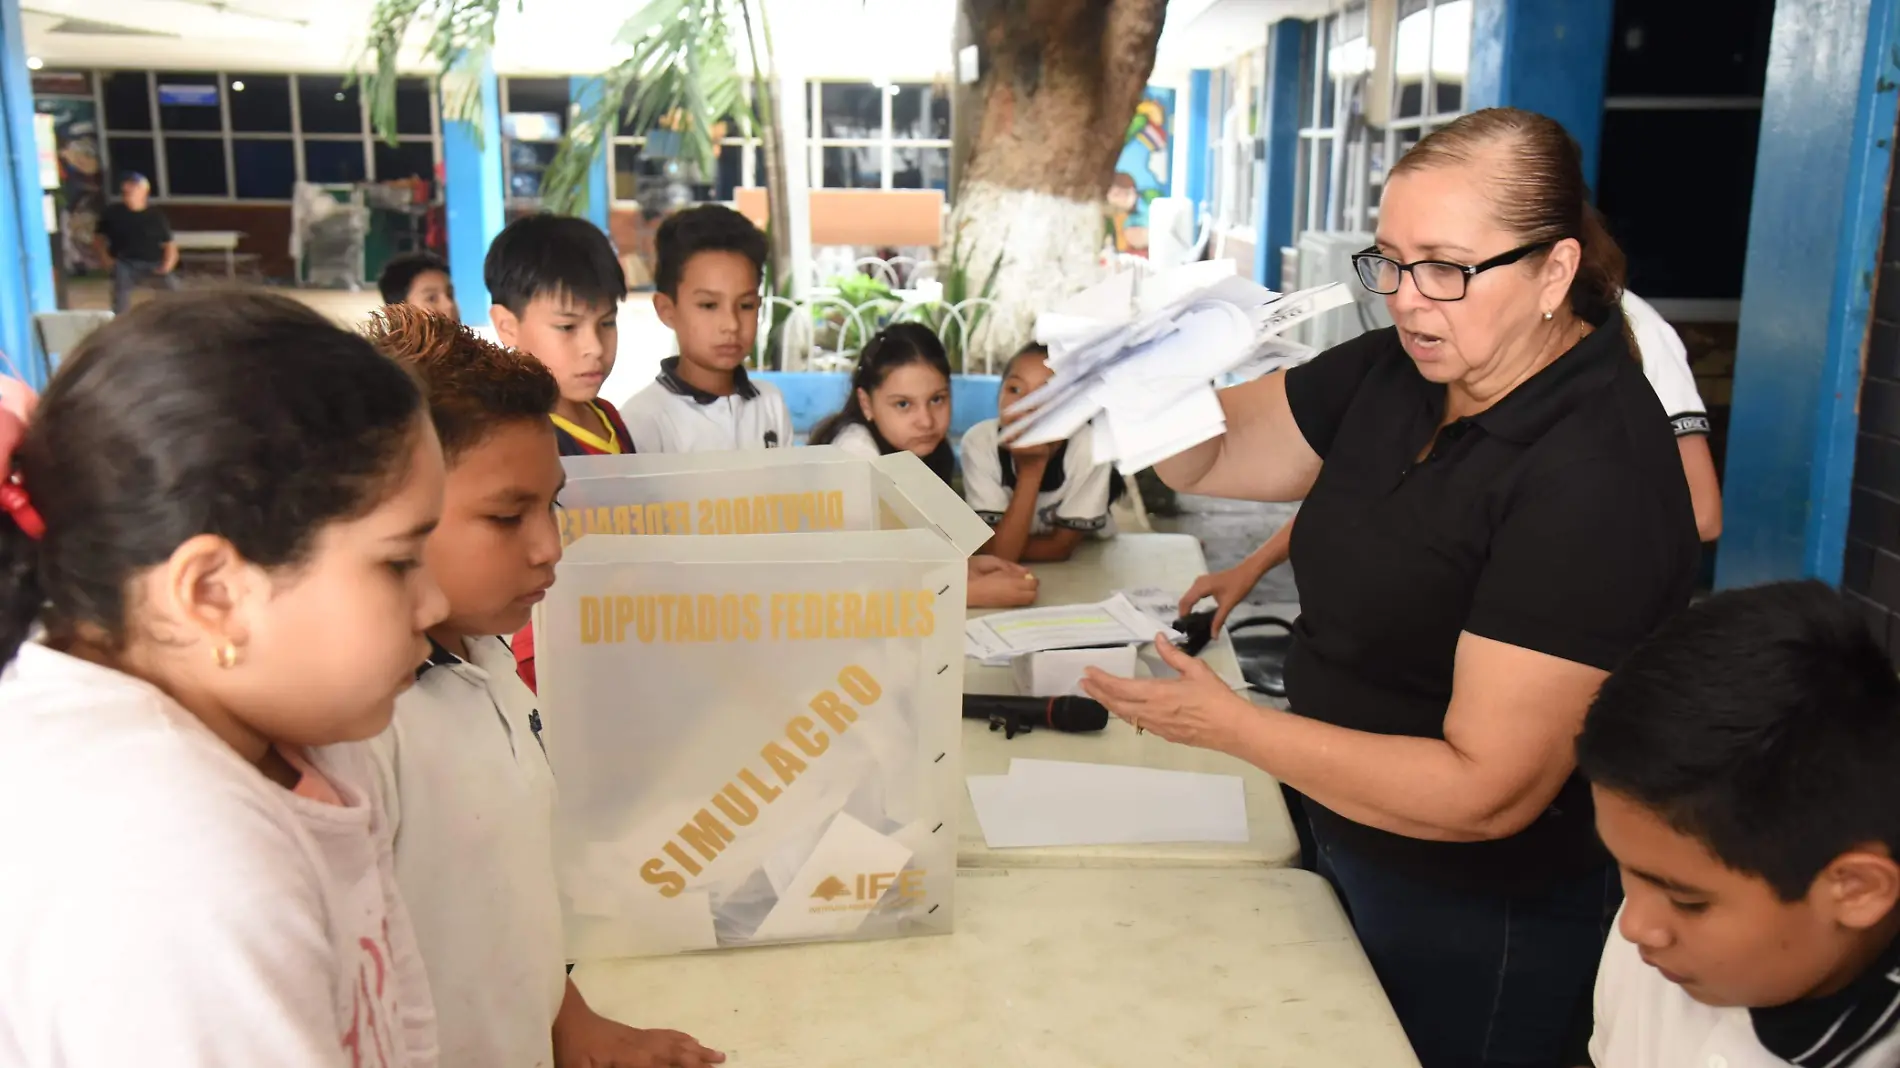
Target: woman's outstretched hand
point(1197, 709)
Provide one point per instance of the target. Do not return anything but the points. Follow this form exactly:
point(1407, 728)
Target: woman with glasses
point(1494, 517)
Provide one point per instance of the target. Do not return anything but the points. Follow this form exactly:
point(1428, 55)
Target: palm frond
point(462, 33)
point(681, 75)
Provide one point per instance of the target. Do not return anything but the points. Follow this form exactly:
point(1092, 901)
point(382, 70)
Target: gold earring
point(227, 655)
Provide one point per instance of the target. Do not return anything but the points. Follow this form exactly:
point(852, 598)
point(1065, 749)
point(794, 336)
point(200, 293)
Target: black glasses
point(1435, 279)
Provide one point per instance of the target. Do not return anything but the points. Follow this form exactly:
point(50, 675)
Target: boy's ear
point(507, 326)
point(1861, 886)
point(664, 307)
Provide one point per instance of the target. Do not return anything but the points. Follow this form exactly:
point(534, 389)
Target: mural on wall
point(82, 193)
point(1144, 172)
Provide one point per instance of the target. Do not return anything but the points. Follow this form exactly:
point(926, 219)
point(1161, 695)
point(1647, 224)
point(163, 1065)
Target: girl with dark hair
point(210, 574)
point(899, 400)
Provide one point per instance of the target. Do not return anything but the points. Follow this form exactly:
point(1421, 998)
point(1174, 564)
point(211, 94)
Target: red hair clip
point(14, 502)
point(13, 498)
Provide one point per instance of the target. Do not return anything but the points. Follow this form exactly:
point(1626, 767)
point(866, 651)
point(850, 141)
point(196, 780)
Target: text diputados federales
point(818, 615)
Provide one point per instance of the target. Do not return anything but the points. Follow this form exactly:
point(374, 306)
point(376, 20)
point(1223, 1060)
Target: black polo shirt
point(1557, 520)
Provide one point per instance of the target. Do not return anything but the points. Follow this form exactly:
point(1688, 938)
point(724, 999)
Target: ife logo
point(867, 889)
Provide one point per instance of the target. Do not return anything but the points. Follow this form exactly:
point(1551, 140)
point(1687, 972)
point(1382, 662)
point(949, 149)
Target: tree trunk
point(1059, 81)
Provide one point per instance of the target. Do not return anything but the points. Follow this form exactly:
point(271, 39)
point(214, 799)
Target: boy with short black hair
point(468, 788)
point(422, 279)
point(711, 261)
point(557, 287)
point(1746, 769)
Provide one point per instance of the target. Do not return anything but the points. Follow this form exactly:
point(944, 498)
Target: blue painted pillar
point(1814, 237)
point(472, 195)
point(26, 266)
point(1547, 56)
point(1199, 111)
point(1281, 128)
point(585, 92)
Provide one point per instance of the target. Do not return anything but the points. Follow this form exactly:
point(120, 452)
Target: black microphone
point(1020, 715)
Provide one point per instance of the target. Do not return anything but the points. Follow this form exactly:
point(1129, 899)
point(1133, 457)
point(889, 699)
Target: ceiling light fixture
point(34, 63)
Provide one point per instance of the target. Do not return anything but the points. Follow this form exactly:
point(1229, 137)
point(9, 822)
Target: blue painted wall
point(26, 274)
point(1814, 234)
point(813, 395)
point(585, 92)
point(1281, 128)
point(472, 192)
point(1548, 56)
point(1200, 107)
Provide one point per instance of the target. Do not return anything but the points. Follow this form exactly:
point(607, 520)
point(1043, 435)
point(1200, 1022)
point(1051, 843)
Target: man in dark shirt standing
point(135, 242)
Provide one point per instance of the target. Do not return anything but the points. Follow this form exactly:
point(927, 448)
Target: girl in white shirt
point(1043, 500)
point(899, 400)
point(209, 546)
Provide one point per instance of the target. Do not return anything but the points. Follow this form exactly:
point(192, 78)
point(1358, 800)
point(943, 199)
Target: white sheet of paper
point(848, 849)
point(1131, 368)
point(1028, 630)
point(1058, 803)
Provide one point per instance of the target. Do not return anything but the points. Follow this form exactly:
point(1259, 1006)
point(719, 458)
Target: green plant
point(869, 297)
point(958, 334)
point(680, 77)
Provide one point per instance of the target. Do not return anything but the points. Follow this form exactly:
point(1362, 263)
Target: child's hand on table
point(590, 1040)
point(997, 583)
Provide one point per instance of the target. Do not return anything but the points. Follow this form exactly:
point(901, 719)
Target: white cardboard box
point(1058, 672)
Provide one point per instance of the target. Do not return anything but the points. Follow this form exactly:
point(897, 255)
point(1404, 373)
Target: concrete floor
point(1229, 530)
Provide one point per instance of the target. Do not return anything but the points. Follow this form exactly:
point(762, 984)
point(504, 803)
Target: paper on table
point(1057, 803)
point(819, 902)
point(1154, 601)
point(1028, 630)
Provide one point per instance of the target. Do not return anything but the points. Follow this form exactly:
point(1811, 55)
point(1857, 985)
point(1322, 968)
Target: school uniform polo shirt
point(471, 798)
point(1645, 1021)
point(1557, 520)
point(604, 435)
point(672, 416)
point(1666, 364)
point(1075, 489)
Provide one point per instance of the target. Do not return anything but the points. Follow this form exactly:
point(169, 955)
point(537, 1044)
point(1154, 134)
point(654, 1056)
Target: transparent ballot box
point(751, 670)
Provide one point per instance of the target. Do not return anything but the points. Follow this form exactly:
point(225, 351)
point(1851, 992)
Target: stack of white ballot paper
point(1003, 636)
point(1059, 803)
point(1137, 359)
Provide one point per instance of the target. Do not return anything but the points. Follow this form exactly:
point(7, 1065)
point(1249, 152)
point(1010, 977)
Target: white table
point(1051, 968)
point(1098, 569)
point(225, 241)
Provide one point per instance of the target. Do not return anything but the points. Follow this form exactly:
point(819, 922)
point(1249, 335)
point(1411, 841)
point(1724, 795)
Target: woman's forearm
point(1417, 787)
point(1272, 553)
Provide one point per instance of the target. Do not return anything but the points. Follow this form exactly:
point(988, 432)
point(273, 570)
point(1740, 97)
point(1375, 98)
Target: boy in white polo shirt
point(1746, 769)
point(469, 791)
point(711, 260)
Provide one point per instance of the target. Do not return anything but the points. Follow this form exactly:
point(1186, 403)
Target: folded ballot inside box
point(754, 717)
